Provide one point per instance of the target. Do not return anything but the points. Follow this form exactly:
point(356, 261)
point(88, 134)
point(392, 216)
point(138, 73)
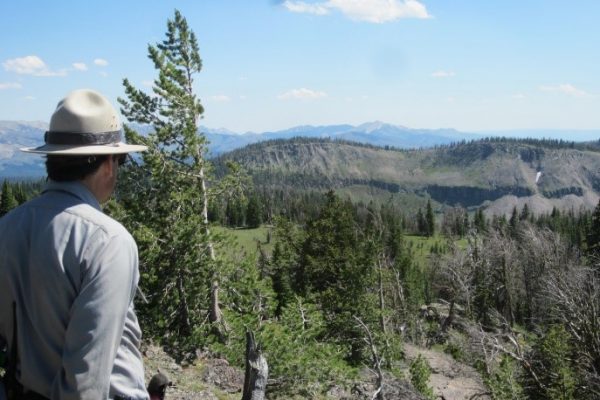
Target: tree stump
point(257, 371)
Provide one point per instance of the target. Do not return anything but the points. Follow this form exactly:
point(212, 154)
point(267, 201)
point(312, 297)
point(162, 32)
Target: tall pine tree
point(430, 219)
point(167, 198)
point(337, 272)
point(253, 212)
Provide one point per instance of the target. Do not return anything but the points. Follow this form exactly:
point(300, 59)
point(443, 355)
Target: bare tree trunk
point(400, 293)
point(214, 315)
point(449, 319)
point(257, 371)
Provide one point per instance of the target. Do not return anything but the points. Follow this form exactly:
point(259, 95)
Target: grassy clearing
point(245, 243)
point(246, 240)
point(422, 247)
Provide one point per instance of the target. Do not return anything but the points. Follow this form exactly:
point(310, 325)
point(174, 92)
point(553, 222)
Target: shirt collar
point(75, 188)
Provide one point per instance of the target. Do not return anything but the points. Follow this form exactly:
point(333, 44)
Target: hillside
point(498, 173)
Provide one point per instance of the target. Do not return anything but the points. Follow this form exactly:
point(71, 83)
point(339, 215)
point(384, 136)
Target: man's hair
point(62, 168)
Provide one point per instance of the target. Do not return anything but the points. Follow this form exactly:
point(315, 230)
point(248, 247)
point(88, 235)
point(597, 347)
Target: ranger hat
point(84, 123)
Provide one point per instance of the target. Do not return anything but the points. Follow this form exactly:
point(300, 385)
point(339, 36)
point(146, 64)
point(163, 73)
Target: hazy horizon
point(577, 135)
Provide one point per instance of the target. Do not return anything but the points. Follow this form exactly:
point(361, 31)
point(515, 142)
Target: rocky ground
point(210, 378)
point(206, 378)
point(214, 379)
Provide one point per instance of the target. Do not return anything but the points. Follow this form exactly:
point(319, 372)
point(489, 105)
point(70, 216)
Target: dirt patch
point(449, 378)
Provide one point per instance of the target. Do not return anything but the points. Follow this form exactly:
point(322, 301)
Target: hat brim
point(70, 150)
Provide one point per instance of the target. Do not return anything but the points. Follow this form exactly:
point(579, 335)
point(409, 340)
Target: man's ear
point(108, 167)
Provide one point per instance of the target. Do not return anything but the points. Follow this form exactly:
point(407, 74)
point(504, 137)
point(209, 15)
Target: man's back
point(72, 272)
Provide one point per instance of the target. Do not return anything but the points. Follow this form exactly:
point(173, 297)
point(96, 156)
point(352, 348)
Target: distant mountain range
point(375, 133)
point(15, 134)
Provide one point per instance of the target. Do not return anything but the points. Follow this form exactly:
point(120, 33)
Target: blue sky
point(269, 65)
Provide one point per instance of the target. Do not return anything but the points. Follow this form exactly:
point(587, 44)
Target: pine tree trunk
point(381, 301)
point(211, 249)
point(185, 328)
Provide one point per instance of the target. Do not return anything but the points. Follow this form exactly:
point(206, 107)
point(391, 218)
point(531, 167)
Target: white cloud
point(565, 88)
point(220, 98)
point(30, 65)
point(101, 62)
point(29, 98)
point(443, 74)
point(376, 11)
point(302, 94)
point(79, 66)
point(103, 73)
point(10, 85)
point(518, 96)
point(148, 83)
point(302, 7)
point(379, 11)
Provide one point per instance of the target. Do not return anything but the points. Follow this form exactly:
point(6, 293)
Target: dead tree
point(215, 315)
point(378, 394)
point(507, 342)
point(257, 371)
point(448, 320)
point(455, 276)
point(573, 295)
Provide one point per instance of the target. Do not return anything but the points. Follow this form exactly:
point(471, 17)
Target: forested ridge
point(340, 285)
point(487, 172)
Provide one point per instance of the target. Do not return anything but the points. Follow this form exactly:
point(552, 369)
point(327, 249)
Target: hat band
point(51, 137)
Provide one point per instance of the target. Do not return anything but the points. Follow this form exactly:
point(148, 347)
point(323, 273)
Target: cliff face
point(470, 174)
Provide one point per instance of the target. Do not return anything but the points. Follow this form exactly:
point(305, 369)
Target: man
point(69, 270)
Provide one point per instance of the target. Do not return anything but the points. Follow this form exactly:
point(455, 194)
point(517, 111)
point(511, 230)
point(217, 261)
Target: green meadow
point(246, 242)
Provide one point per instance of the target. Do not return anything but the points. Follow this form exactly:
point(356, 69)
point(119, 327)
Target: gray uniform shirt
point(72, 272)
